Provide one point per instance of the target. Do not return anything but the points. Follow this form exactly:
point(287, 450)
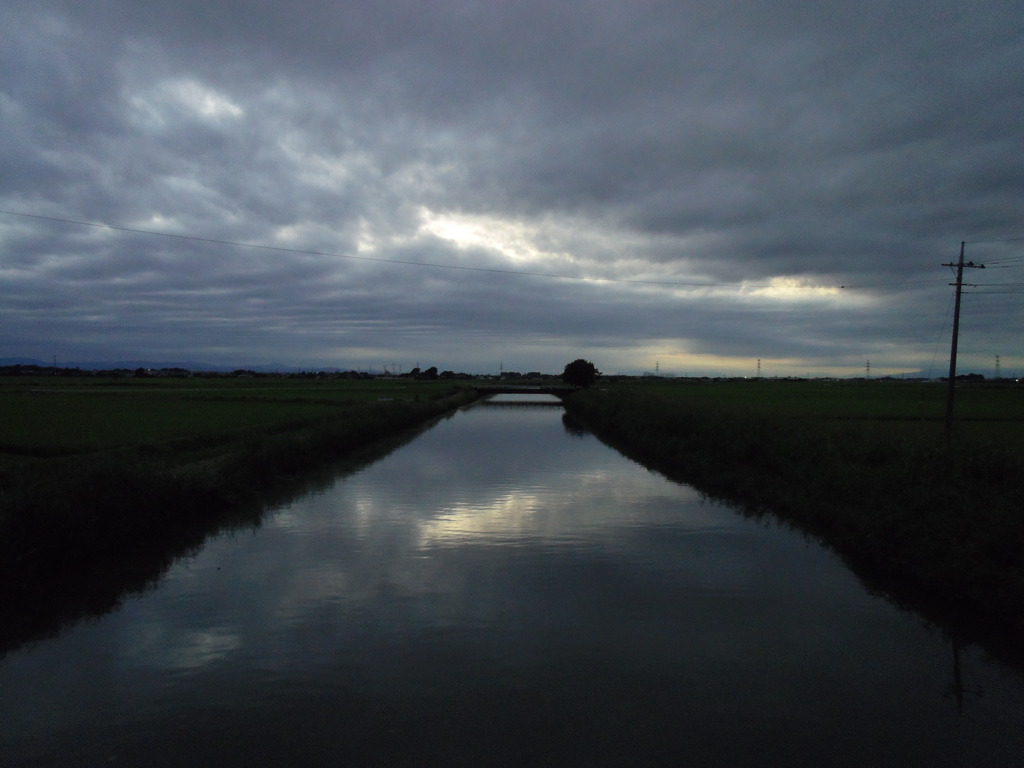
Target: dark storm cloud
point(780, 149)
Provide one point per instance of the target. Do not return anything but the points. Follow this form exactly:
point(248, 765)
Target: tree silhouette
point(580, 373)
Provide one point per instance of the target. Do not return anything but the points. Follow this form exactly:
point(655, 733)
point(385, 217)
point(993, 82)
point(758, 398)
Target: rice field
point(61, 416)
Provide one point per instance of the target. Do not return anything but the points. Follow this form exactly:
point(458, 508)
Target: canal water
point(506, 591)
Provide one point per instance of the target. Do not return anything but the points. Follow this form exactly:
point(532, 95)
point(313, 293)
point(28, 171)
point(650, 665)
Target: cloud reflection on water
point(493, 563)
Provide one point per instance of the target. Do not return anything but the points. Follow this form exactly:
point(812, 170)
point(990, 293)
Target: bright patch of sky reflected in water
point(505, 591)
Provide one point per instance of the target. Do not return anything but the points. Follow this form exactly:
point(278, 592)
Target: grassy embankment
point(863, 465)
point(92, 467)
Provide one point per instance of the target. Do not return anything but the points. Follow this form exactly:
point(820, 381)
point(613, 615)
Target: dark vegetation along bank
point(103, 485)
point(862, 465)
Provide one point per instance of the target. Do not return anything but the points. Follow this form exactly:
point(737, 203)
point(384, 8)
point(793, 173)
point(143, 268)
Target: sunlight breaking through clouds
point(796, 290)
point(514, 240)
point(203, 100)
point(157, 107)
point(734, 192)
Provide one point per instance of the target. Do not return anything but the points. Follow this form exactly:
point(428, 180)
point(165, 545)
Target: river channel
point(505, 590)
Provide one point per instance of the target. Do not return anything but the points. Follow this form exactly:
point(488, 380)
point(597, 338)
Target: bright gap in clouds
point(796, 289)
point(512, 239)
point(158, 107)
point(202, 100)
point(516, 241)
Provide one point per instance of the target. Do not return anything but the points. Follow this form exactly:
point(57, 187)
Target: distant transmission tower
point(867, 370)
point(759, 367)
point(999, 373)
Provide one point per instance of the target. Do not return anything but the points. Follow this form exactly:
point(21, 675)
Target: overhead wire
point(995, 240)
point(1006, 263)
point(998, 263)
point(942, 333)
point(893, 284)
point(460, 267)
point(305, 252)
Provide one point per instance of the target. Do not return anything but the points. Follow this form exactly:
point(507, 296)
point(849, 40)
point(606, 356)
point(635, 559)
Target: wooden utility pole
point(951, 386)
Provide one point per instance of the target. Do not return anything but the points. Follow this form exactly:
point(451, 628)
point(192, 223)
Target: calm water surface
point(503, 591)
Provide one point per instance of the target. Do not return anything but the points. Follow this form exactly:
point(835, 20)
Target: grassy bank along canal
point(93, 468)
point(861, 465)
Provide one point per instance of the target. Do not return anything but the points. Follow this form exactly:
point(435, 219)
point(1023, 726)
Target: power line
point(892, 284)
point(987, 288)
point(430, 265)
point(1007, 263)
point(1003, 240)
point(942, 333)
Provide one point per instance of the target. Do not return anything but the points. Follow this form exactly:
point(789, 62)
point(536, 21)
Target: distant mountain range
point(131, 365)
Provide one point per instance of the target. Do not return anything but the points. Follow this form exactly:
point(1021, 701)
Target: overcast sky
point(483, 185)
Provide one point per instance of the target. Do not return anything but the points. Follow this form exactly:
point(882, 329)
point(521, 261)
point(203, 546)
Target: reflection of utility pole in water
point(957, 689)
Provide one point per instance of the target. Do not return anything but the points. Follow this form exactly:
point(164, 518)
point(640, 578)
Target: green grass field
point(983, 412)
point(61, 416)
